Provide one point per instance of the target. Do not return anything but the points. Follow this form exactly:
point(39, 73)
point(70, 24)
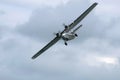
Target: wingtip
point(33, 57)
point(95, 3)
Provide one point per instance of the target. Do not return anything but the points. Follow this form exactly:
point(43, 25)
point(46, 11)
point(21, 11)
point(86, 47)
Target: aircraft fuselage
point(68, 36)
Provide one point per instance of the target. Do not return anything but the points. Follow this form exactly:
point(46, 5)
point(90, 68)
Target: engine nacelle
point(66, 26)
point(58, 34)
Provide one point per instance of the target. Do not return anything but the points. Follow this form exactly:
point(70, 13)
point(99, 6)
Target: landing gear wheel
point(66, 44)
point(76, 35)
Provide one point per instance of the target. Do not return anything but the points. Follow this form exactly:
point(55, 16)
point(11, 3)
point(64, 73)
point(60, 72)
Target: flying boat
point(69, 33)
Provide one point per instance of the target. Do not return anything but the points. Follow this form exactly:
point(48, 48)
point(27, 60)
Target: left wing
point(81, 17)
point(46, 47)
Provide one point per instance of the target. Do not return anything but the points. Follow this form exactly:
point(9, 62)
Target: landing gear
point(76, 35)
point(66, 43)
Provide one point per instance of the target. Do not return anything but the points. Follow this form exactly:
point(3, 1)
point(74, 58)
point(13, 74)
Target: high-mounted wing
point(81, 17)
point(71, 26)
point(46, 47)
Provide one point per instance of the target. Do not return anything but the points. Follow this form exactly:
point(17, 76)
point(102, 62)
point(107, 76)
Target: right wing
point(46, 47)
point(81, 17)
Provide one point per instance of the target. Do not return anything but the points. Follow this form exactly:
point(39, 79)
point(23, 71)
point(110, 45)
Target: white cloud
point(113, 32)
point(97, 53)
point(108, 60)
point(101, 61)
point(108, 9)
point(13, 15)
point(17, 12)
point(35, 3)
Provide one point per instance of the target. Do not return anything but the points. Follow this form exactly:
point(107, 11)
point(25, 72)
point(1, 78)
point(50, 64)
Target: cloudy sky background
point(27, 25)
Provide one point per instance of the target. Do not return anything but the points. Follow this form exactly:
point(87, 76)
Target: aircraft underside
point(67, 34)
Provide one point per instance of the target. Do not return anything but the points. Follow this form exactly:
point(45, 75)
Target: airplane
point(67, 34)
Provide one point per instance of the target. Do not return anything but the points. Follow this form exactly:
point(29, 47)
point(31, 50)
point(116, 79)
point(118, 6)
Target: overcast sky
point(28, 25)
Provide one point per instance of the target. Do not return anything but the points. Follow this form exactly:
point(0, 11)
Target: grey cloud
point(57, 63)
point(42, 25)
point(2, 30)
point(46, 21)
point(2, 12)
point(93, 28)
point(113, 33)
